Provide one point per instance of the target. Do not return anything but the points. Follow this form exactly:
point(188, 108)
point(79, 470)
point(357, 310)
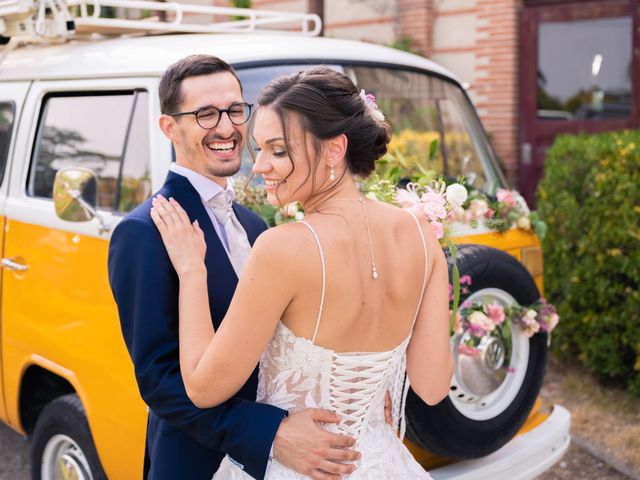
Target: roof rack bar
point(30, 20)
point(301, 23)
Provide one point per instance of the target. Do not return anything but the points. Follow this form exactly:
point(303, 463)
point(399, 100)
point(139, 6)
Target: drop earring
point(332, 173)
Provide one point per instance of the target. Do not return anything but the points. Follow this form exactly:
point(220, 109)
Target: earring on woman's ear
point(332, 173)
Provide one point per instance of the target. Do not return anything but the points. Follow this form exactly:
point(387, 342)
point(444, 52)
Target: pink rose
point(465, 280)
point(549, 322)
point(506, 197)
point(531, 326)
point(495, 312)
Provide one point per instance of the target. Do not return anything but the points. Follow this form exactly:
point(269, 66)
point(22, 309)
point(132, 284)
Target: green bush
point(590, 200)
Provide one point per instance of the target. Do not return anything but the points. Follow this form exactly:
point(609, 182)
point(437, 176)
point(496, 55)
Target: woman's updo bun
point(329, 105)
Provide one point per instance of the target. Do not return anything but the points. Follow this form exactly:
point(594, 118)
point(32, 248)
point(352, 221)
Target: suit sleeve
point(145, 287)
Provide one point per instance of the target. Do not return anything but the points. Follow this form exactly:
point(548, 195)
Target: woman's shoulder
point(285, 242)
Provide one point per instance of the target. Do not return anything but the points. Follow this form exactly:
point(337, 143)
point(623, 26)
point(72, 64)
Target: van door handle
point(8, 263)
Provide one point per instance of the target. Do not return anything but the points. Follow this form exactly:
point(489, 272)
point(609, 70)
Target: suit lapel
point(216, 258)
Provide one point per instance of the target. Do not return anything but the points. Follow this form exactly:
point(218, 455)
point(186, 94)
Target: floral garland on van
point(480, 319)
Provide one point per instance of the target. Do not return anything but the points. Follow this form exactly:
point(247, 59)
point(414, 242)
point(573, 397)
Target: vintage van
point(88, 104)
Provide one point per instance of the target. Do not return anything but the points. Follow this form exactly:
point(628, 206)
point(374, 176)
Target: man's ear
point(336, 149)
point(168, 126)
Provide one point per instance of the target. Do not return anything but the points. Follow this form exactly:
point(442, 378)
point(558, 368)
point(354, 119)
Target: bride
point(335, 308)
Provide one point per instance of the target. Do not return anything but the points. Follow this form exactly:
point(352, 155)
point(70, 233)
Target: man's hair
point(169, 90)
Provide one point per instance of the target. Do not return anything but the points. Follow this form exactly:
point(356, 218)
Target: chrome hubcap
point(63, 459)
point(484, 384)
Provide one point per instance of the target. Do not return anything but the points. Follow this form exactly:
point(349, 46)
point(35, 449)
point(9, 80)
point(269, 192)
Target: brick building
point(535, 68)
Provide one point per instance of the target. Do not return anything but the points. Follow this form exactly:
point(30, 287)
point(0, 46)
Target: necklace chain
point(374, 271)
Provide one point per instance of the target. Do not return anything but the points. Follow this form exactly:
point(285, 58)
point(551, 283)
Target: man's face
point(216, 152)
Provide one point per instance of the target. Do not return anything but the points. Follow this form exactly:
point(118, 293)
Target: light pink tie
point(238, 243)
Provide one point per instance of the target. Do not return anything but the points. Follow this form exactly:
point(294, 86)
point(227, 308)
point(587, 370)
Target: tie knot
point(221, 204)
point(221, 200)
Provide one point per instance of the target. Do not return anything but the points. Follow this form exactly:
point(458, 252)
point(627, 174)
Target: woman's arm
point(429, 358)
point(215, 365)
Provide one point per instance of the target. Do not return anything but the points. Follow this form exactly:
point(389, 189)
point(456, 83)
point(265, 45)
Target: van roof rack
point(60, 19)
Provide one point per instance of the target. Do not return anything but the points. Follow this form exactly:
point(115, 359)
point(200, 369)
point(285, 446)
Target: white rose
point(292, 209)
point(531, 315)
point(478, 318)
point(456, 194)
point(480, 206)
point(524, 223)
point(371, 196)
point(299, 216)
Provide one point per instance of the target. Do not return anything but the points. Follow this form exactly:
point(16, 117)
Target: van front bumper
point(523, 458)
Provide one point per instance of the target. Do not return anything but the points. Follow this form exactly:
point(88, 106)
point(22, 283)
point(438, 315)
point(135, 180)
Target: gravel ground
point(579, 464)
point(14, 455)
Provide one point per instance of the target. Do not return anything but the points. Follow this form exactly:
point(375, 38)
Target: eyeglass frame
point(220, 112)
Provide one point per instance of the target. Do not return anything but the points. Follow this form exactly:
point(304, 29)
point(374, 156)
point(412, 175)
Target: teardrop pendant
point(374, 273)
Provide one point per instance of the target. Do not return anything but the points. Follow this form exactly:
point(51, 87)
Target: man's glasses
point(209, 117)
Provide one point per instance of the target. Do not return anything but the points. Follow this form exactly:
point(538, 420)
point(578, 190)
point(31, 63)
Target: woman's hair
point(328, 104)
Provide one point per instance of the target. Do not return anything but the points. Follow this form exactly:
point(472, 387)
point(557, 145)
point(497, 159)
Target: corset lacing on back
point(360, 380)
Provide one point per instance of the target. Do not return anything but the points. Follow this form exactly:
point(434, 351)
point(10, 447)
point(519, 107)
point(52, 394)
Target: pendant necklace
point(374, 271)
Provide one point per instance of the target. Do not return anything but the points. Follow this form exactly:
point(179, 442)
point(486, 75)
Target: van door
point(11, 102)
point(60, 317)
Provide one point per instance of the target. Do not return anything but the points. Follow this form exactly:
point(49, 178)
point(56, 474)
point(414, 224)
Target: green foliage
point(590, 200)
point(240, 4)
point(405, 44)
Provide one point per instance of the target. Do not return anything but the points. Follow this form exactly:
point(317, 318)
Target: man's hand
point(304, 446)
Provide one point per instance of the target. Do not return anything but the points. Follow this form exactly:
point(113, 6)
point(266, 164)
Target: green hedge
point(590, 199)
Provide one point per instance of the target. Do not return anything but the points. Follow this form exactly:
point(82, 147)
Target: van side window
point(7, 113)
point(106, 133)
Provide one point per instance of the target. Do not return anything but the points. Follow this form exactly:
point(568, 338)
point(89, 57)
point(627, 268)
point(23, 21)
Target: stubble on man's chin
point(225, 170)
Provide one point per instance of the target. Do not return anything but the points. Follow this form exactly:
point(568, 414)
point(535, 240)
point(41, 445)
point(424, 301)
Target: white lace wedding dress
point(295, 374)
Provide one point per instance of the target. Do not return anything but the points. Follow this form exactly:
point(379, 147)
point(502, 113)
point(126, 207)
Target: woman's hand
point(183, 240)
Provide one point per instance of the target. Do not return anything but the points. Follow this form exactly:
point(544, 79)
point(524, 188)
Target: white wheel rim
point(63, 459)
point(489, 396)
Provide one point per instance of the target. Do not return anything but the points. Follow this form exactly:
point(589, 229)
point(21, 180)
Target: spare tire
point(491, 395)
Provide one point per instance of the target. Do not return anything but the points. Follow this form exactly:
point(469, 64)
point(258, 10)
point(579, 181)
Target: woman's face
point(286, 174)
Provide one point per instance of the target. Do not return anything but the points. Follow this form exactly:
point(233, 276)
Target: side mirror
point(75, 194)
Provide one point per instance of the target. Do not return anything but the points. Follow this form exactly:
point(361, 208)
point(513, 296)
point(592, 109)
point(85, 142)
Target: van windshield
point(420, 107)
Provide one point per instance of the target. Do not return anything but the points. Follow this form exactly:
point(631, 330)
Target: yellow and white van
point(81, 101)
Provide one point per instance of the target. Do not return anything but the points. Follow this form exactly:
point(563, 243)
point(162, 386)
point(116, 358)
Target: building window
point(7, 113)
point(106, 133)
point(584, 69)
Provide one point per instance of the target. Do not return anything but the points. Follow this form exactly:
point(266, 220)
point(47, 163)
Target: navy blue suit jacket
point(183, 441)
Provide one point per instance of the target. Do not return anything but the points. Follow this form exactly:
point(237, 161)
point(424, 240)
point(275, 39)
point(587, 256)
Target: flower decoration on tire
point(479, 319)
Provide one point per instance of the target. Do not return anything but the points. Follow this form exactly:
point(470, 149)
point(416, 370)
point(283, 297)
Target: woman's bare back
point(360, 314)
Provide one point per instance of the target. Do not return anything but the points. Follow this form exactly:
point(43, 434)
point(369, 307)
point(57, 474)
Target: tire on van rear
point(487, 403)
point(62, 440)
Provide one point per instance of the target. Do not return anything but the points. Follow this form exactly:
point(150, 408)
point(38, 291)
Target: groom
point(204, 116)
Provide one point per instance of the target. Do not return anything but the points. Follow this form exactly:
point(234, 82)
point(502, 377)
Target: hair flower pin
point(371, 106)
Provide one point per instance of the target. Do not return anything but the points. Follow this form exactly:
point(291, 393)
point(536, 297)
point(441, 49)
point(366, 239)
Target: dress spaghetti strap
point(426, 267)
point(324, 280)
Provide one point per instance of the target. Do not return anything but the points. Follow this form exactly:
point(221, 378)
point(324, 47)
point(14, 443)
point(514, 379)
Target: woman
point(357, 276)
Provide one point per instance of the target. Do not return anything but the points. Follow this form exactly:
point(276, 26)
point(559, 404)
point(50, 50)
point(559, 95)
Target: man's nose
point(225, 125)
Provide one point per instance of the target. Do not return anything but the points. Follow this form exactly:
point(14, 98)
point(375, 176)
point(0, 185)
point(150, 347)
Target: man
point(204, 116)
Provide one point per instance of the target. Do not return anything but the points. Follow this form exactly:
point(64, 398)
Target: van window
point(421, 108)
point(7, 113)
point(106, 133)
